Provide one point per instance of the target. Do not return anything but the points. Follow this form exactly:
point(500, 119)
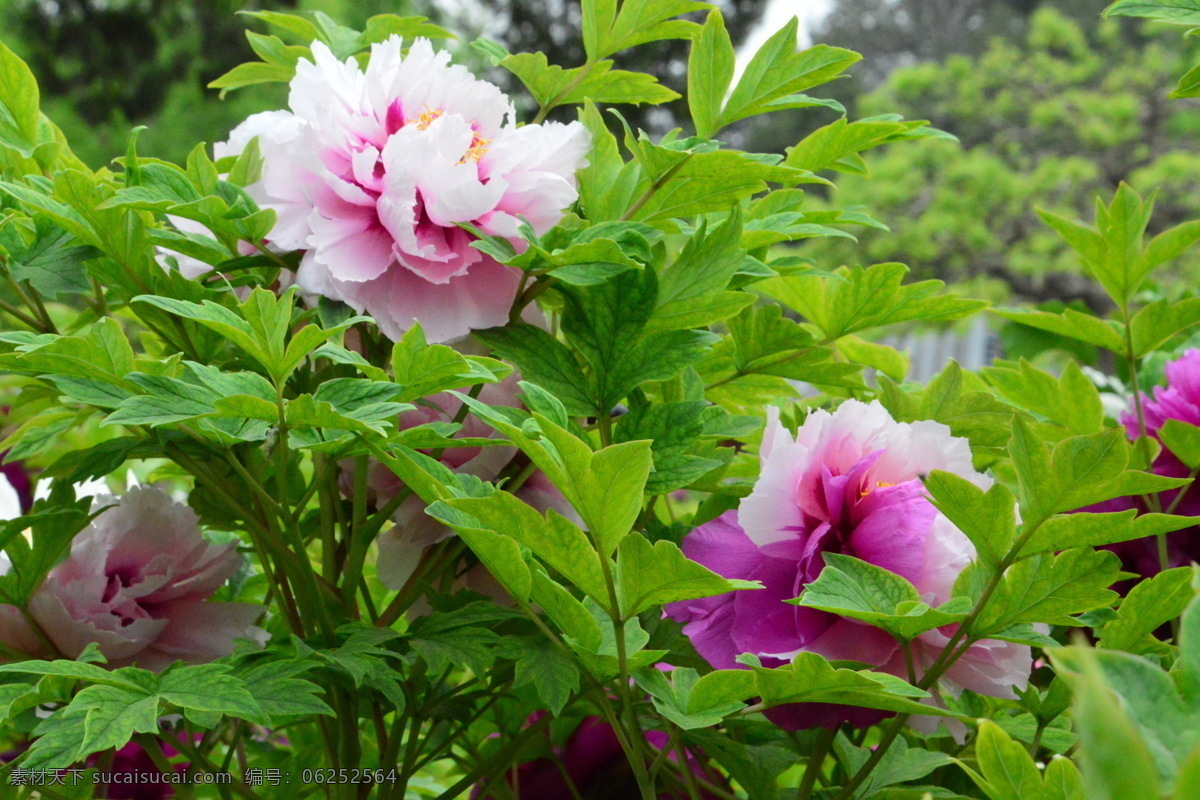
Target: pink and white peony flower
point(849, 482)
point(138, 582)
point(371, 172)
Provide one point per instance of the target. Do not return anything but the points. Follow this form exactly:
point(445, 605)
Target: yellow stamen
point(476, 151)
point(427, 117)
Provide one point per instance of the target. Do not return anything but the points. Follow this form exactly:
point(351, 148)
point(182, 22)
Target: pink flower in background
point(371, 172)
point(402, 546)
point(139, 777)
point(15, 631)
point(595, 765)
point(138, 582)
point(849, 482)
point(20, 488)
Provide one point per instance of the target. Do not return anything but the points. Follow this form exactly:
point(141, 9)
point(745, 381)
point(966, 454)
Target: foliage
point(652, 330)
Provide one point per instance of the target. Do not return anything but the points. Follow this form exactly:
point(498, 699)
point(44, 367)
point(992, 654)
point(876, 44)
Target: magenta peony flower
point(594, 763)
point(371, 172)
point(1179, 399)
point(849, 482)
point(138, 582)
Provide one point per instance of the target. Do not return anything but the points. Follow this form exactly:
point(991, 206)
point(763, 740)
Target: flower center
point(427, 117)
point(479, 145)
point(867, 490)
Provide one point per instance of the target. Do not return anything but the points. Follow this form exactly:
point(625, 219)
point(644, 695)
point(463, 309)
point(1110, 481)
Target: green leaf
point(53, 265)
point(777, 71)
point(1183, 440)
point(382, 26)
point(1082, 470)
point(168, 400)
point(445, 643)
point(605, 487)
point(424, 370)
point(1161, 320)
point(830, 146)
point(544, 360)
point(606, 323)
point(674, 430)
point(1180, 12)
point(1071, 401)
point(704, 268)
point(678, 700)
point(111, 716)
point(19, 101)
point(607, 185)
point(1149, 604)
point(709, 73)
point(209, 688)
point(1187, 784)
point(1112, 252)
point(306, 411)
point(76, 670)
point(651, 575)
point(554, 539)
point(1072, 324)
point(1152, 724)
point(499, 553)
point(607, 32)
point(1008, 769)
point(553, 86)
point(1095, 530)
point(853, 588)
point(988, 518)
point(1188, 86)
point(856, 299)
point(609, 494)
point(1062, 780)
point(544, 667)
point(580, 628)
point(711, 182)
point(812, 679)
point(215, 317)
point(1050, 588)
point(295, 24)
point(279, 692)
point(1188, 665)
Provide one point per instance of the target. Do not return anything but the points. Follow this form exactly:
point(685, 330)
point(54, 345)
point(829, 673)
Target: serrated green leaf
point(650, 575)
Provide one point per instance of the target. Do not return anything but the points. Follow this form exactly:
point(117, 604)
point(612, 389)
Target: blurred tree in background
point(1067, 111)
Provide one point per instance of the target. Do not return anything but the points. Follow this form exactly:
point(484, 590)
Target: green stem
point(22, 316)
point(816, 760)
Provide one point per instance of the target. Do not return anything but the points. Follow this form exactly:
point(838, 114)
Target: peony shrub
point(490, 454)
